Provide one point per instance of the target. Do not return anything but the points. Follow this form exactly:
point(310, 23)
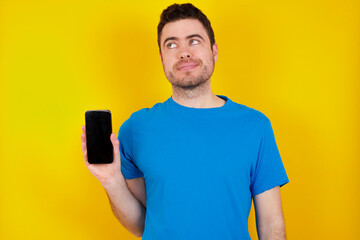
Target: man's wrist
point(115, 182)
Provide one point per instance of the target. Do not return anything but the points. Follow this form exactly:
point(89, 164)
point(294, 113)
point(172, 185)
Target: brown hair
point(184, 11)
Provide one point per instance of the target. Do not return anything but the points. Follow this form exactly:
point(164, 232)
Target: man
point(191, 165)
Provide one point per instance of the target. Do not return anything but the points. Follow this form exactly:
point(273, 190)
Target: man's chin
point(187, 84)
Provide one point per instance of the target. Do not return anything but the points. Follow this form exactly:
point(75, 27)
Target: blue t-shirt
point(201, 167)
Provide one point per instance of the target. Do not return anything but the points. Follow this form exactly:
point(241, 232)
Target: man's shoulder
point(141, 116)
point(147, 112)
point(249, 112)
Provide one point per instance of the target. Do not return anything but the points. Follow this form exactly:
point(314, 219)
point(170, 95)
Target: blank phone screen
point(98, 130)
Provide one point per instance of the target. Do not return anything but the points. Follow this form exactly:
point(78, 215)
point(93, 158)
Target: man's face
point(186, 53)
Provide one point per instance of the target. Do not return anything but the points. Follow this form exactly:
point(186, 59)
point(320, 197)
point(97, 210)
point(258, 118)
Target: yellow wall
point(296, 61)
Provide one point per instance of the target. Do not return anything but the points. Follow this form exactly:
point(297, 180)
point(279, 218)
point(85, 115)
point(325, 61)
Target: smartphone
point(98, 130)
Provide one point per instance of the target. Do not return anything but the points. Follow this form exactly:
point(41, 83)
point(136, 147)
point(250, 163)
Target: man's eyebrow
point(195, 35)
point(188, 37)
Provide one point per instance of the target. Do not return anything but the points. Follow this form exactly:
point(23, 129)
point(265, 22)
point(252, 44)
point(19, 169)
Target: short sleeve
point(128, 167)
point(269, 171)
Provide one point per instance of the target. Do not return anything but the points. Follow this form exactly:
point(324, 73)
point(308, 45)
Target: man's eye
point(194, 41)
point(171, 45)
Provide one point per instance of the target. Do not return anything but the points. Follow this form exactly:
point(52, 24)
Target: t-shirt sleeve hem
point(131, 176)
point(270, 186)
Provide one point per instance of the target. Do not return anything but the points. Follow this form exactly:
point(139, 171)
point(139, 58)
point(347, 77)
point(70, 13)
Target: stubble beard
point(190, 81)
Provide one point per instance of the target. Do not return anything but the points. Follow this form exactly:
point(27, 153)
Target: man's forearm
point(273, 231)
point(127, 209)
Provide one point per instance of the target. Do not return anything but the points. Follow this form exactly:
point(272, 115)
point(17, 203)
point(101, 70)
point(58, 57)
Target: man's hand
point(105, 173)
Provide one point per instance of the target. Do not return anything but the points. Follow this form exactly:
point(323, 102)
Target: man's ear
point(161, 57)
point(215, 51)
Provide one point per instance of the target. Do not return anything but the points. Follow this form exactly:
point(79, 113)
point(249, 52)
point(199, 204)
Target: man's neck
point(201, 97)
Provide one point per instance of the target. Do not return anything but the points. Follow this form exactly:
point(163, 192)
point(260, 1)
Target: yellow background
point(295, 61)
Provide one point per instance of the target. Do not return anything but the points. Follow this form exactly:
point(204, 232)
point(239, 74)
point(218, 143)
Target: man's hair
point(184, 11)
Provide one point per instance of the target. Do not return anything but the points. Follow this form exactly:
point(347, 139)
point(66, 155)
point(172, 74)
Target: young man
point(191, 165)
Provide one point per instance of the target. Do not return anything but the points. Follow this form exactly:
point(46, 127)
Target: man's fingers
point(83, 138)
point(83, 129)
point(83, 135)
point(115, 143)
point(84, 150)
point(83, 146)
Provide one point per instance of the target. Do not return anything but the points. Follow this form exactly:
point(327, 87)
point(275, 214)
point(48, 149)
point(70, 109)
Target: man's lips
point(187, 66)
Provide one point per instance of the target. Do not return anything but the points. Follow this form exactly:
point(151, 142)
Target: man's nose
point(185, 53)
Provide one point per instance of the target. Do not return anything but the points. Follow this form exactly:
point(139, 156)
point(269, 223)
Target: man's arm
point(269, 216)
point(126, 207)
point(127, 197)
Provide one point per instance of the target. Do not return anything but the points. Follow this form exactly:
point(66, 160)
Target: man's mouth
point(187, 66)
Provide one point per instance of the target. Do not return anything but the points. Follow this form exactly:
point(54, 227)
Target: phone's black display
point(98, 130)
